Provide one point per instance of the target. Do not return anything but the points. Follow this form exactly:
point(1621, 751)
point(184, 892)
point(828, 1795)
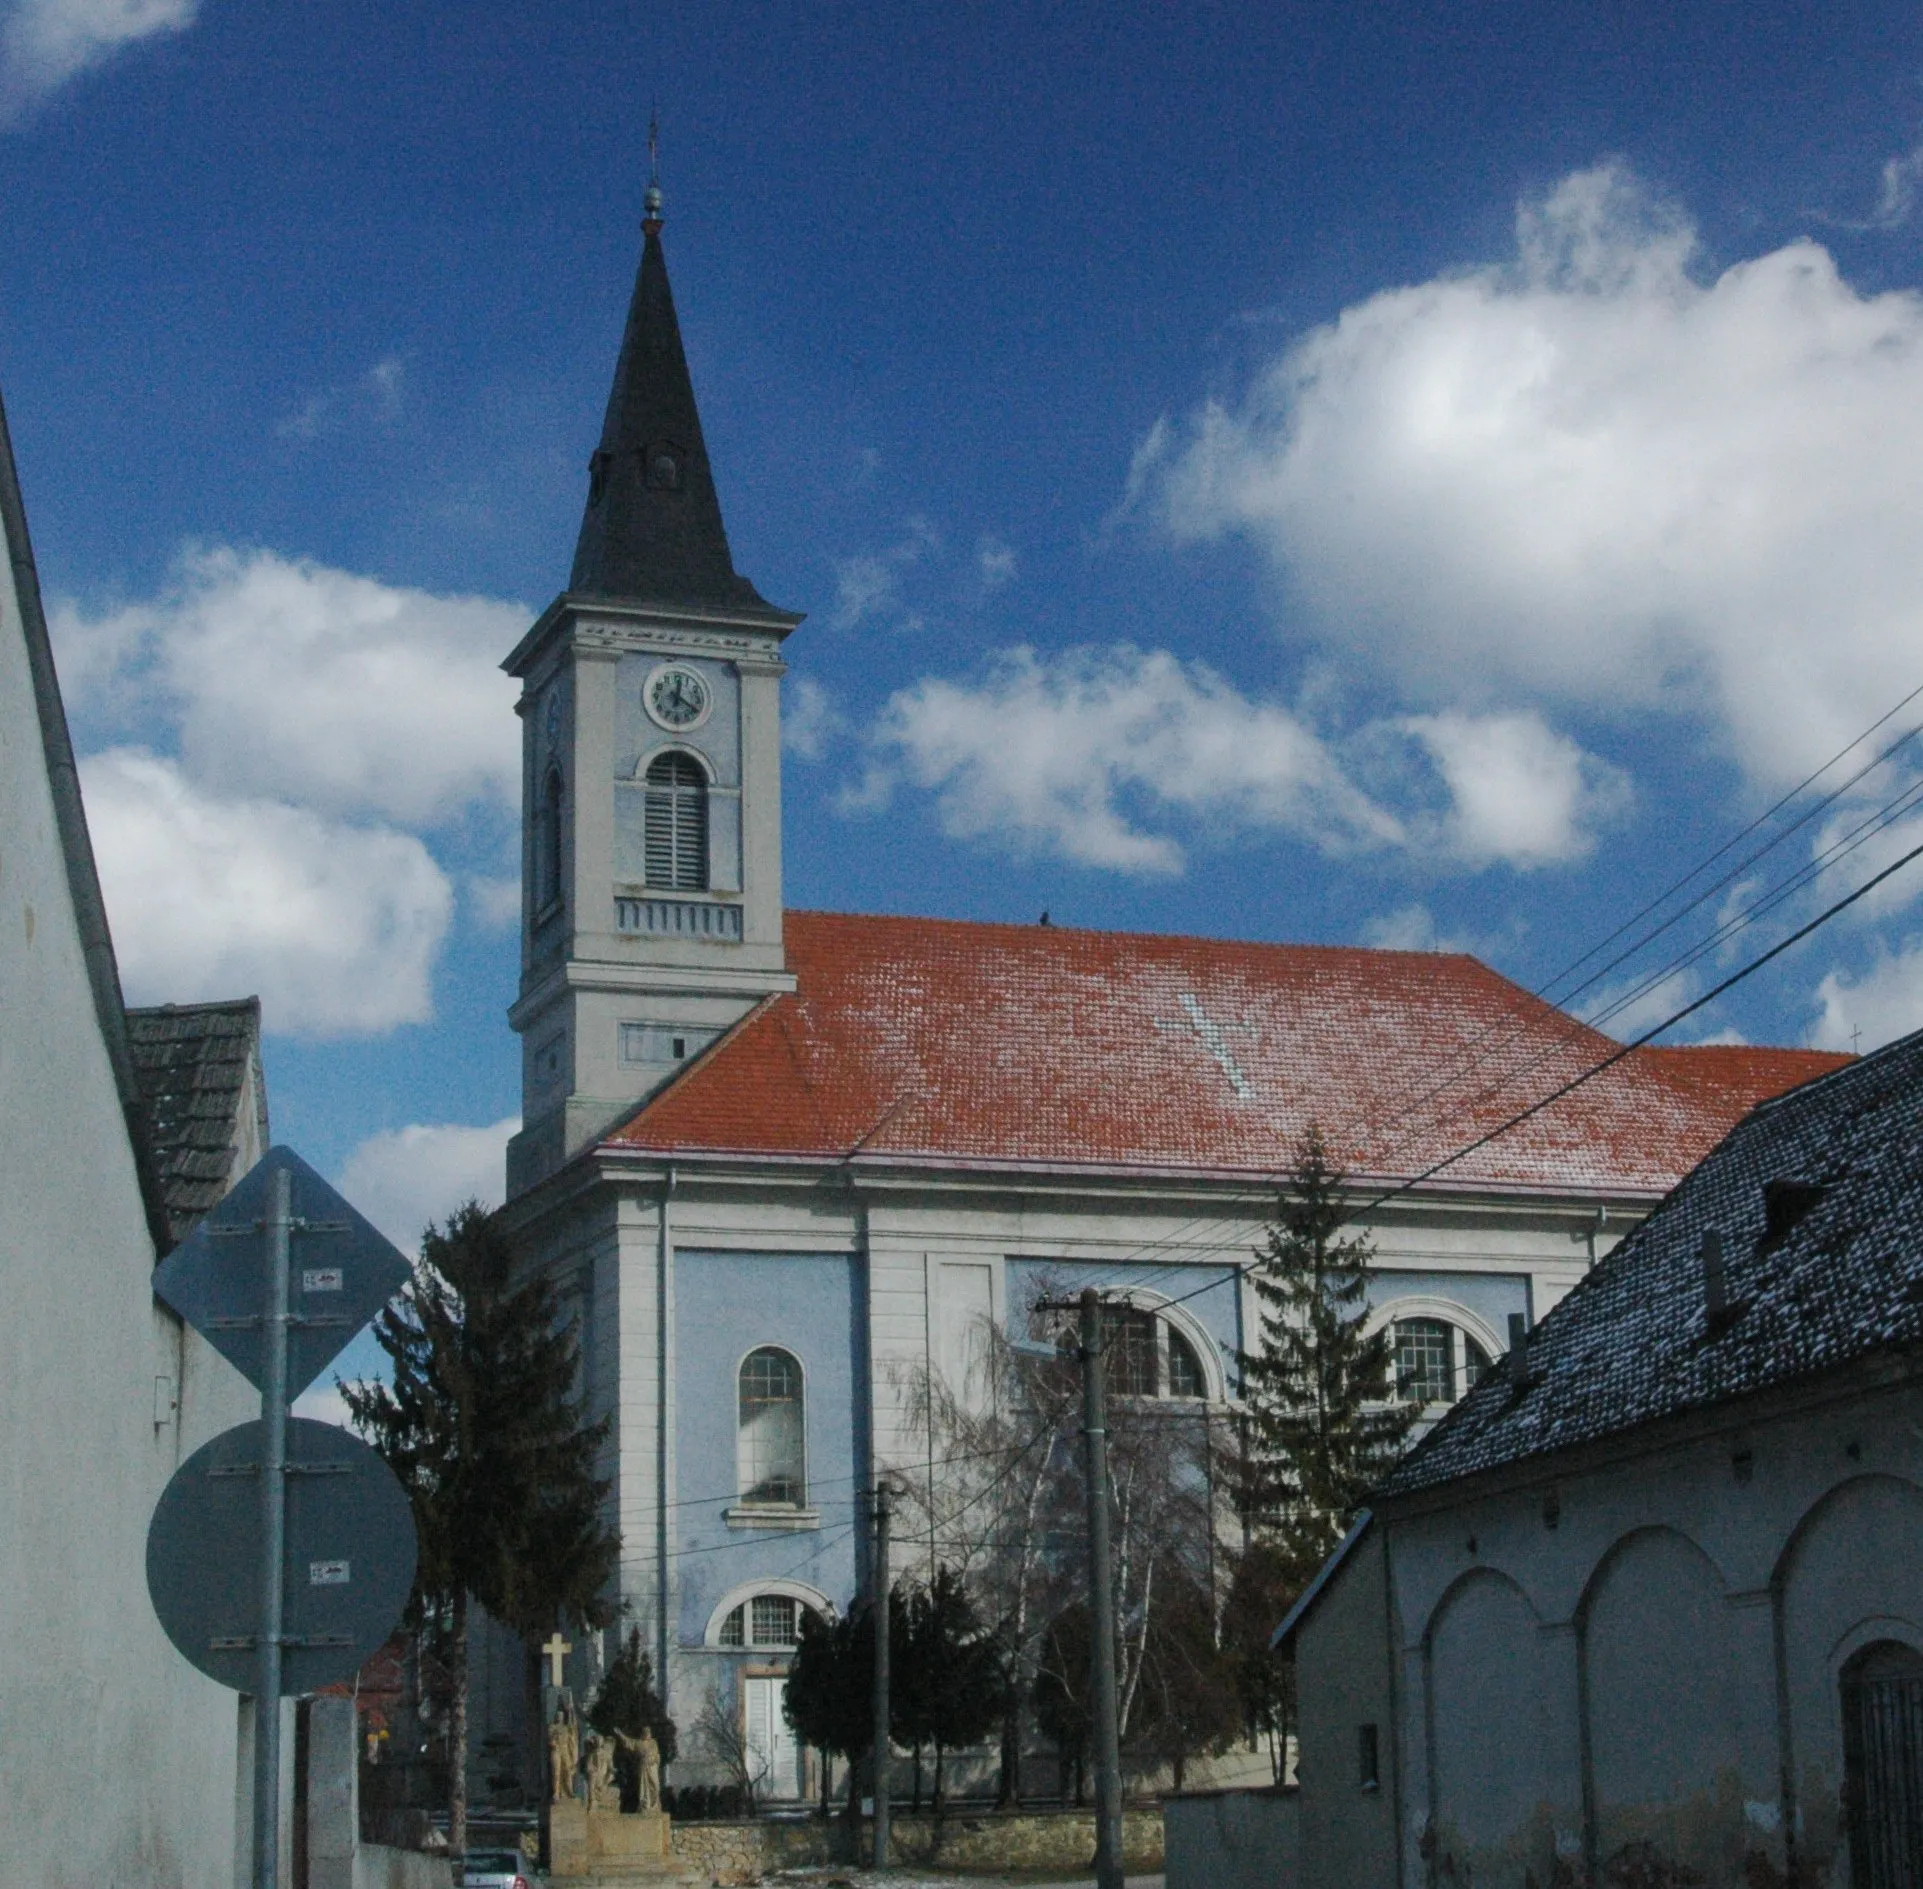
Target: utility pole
point(1101, 1603)
point(883, 1613)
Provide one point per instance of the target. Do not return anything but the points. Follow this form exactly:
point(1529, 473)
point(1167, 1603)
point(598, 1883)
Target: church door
point(773, 1750)
point(1883, 1760)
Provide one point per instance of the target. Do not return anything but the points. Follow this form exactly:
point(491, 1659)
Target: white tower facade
point(651, 771)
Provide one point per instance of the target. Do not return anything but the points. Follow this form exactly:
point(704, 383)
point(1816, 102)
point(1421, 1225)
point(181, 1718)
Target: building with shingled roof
point(779, 1161)
point(1647, 1604)
point(116, 1132)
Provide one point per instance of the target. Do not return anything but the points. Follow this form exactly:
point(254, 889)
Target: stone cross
point(557, 1649)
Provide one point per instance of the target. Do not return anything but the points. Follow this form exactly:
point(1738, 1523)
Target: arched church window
point(676, 838)
point(1145, 1356)
point(547, 843)
point(1435, 1362)
point(1185, 1377)
point(768, 1621)
point(771, 1436)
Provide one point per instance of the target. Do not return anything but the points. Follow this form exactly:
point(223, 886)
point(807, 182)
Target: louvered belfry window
point(677, 824)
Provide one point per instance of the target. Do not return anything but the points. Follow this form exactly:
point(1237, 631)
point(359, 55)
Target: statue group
point(570, 1761)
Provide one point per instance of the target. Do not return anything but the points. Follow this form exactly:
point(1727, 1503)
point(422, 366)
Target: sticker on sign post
point(327, 1574)
point(321, 1279)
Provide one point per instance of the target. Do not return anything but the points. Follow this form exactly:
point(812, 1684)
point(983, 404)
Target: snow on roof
point(944, 1042)
point(1818, 1199)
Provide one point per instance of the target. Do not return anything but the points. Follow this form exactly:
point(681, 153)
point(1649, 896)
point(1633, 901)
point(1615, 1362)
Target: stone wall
point(989, 1840)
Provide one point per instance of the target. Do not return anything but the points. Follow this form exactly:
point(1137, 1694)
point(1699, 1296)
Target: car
point(496, 1869)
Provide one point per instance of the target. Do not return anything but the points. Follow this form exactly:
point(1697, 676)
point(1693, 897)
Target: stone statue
point(650, 1771)
point(602, 1794)
point(647, 1768)
point(564, 1753)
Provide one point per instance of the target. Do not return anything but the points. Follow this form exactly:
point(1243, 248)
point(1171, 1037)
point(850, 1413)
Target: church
point(783, 1164)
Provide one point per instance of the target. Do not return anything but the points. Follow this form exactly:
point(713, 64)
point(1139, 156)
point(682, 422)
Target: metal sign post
point(283, 1494)
point(273, 1536)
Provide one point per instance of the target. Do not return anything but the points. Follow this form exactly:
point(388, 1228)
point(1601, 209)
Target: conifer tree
point(483, 1427)
point(829, 1698)
point(1324, 1423)
point(949, 1694)
point(627, 1702)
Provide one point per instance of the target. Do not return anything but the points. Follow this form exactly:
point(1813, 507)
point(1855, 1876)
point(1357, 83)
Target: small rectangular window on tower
point(1368, 1754)
point(661, 1044)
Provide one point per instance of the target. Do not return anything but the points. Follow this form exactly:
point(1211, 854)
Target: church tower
point(651, 768)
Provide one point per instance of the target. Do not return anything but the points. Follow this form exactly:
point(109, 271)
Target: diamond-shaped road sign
point(348, 1560)
point(343, 1271)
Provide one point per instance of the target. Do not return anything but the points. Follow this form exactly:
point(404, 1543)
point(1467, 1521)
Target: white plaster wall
point(1348, 1834)
point(1691, 1606)
point(116, 1757)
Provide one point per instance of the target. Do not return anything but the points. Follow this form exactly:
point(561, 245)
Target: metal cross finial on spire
point(651, 222)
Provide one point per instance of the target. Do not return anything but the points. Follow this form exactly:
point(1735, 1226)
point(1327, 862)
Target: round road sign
point(349, 1564)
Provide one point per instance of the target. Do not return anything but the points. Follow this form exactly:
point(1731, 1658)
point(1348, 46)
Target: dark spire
point(652, 532)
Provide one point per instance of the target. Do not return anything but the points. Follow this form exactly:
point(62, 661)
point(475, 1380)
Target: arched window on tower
point(771, 1440)
point(547, 844)
point(677, 824)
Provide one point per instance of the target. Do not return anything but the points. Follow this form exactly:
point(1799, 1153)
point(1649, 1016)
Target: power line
point(1475, 1055)
point(1628, 1049)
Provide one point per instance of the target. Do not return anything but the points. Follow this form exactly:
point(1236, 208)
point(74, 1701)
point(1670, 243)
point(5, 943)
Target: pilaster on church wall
point(591, 867)
point(636, 1283)
point(761, 797)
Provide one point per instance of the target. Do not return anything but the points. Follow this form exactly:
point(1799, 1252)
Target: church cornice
point(618, 627)
point(895, 1173)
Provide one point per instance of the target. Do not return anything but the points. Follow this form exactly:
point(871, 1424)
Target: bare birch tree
point(1002, 1502)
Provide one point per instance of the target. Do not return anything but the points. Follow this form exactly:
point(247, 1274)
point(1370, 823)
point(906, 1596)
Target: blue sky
point(1423, 475)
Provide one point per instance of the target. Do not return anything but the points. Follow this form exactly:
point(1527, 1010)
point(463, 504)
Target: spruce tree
point(1324, 1423)
point(830, 1698)
point(626, 1701)
point(950, 1690)
point(484, 1429)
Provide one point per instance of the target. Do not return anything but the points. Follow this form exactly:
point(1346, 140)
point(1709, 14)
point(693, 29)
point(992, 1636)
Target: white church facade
point(783, 1161)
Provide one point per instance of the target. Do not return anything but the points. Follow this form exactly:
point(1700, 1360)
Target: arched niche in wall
point(1852, 1572)
point(1659, 1712)
point(1484, 1696)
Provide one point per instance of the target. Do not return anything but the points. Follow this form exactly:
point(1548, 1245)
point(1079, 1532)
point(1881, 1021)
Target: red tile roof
point(933, 1040)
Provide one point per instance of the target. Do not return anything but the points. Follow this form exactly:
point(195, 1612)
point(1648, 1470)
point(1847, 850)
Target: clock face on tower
point(677, 697)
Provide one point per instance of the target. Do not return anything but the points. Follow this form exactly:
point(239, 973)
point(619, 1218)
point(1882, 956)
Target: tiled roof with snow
point(192, 1062)
point(1043, 1046)
point(1634, 1342)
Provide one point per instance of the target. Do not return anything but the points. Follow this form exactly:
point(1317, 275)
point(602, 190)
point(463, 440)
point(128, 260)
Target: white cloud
point(1882, 1003)
point(405, 1178)
point(1597, 475)
point(288, 679)
point(869, 587)
point(995, 563)
point(44, 43)
point(1409, 928)
point(1626, 1010)
point(864, 587)
point(1896, 198)
point(322, 1402)
point(1058, 755)
point(496, 899)
point(336, 926)
point(1093, 753)
point(1519, 792)
point(376, 396)
point(810, 721)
